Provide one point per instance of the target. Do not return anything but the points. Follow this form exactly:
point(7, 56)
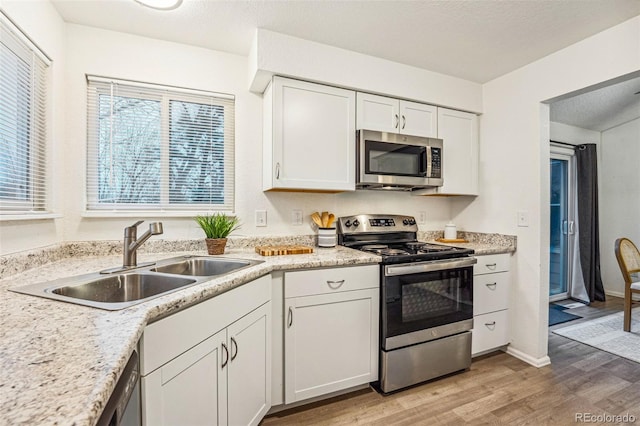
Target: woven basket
point(216, 245)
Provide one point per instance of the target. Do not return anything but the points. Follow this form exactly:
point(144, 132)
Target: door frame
point(558, 152)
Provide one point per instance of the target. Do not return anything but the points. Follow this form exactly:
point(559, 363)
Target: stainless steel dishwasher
point(123, 407)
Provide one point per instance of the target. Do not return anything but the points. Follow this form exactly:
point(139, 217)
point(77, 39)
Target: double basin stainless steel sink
point(119, 291)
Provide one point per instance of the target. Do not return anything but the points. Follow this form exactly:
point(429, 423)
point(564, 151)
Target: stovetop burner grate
point(393, 237)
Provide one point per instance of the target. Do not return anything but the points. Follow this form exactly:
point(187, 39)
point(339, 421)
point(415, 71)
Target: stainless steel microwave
point(397, 162)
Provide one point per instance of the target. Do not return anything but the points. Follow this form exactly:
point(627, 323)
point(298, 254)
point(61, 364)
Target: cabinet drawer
point(490, 293)
point(490, 331)
point(491, 263)
point(333, 280)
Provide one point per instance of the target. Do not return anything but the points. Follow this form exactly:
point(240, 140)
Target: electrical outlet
point(523, 218)
point(422, 219)
point(296, 217)
point(261, 218)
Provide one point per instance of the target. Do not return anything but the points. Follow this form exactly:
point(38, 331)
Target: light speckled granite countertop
point(59, 362)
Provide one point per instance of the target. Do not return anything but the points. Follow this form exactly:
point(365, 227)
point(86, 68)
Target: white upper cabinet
point(418, 119)
point(395, 116)
point(459, 131)
point(309, 137)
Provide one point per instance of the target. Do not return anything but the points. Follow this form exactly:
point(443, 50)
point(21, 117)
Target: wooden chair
point(629, 260)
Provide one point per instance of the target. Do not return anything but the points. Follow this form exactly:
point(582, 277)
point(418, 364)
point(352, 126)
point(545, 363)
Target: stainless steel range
point(426, 303)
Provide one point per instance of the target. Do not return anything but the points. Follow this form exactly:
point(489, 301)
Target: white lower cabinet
point(490, 303)
point(490, 331)
point(330, 331)
point(249, 373)
point(189, 390)
point(224, 379)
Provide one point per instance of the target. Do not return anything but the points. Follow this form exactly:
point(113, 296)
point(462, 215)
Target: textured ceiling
point(600, 109)
point(477, 40)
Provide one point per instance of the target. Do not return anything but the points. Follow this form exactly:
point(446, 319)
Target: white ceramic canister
point(450, 232)
point(327, 237)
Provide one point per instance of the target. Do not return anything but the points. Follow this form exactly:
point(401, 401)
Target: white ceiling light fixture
point(160, 4)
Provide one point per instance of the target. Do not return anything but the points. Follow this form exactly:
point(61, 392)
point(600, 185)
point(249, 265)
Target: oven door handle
point(436, 265)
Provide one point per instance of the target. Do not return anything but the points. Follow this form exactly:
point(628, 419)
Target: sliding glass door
point(561, 223)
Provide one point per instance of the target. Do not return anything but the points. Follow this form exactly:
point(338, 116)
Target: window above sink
point(158, 148)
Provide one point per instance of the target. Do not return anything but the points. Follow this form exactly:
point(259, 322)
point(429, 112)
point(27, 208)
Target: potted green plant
point(217, 227)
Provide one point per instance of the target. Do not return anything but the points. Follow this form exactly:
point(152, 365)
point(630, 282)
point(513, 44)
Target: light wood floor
point(498, 389)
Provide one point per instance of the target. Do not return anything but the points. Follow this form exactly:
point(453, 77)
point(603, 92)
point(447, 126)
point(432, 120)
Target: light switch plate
point(296, 217)
point(261, 218)
point(523, 218)
point(422, 219)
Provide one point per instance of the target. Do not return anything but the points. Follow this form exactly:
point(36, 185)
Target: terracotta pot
point(216, 245)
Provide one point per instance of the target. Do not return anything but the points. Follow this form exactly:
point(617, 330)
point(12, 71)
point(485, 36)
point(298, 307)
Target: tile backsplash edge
point(15, 263)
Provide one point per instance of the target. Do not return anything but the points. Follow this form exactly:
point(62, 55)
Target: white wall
point(514, 165)
point(47, 30)
point(561, 132)
point(280, 54)
point(619, 197)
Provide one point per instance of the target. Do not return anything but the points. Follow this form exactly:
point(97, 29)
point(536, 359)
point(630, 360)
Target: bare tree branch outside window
point(129, 150)
point(196, 173)
point(158, 148)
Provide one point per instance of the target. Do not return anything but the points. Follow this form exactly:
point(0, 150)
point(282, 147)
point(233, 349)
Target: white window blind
point(23, 98)
point(158, 148)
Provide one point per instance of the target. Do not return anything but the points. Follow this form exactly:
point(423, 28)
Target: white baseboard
point(536, 362)
point(620, 295)
point(614, 293)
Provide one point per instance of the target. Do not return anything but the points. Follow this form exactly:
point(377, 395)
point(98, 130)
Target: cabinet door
point(378, 113)
point(418, 119)
point(313, 136)
point(249, 375)
point(189, 390)
point(459, 131)
point(331, 342)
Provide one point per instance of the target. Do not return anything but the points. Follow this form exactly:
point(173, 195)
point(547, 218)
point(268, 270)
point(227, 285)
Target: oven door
point(425, 301)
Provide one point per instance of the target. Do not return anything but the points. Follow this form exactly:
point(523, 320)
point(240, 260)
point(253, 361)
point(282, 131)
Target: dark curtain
point(589, 239)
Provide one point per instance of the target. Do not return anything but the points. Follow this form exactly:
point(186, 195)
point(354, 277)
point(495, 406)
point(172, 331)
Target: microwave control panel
point(436, 162)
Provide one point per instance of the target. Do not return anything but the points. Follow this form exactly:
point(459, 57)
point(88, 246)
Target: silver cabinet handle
point(290, 317)
point(226, 352)
point(491, 266)
point(234, 344)
point(491, 324)
point(397, 121)
point(404, 121)
point(335, 284)
point(277, 170)
point(492, 286)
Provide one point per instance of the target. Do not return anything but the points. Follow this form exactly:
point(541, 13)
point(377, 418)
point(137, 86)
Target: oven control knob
point(347, 223)
point(356, 223)
point(405, 221)
point(412, 221)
